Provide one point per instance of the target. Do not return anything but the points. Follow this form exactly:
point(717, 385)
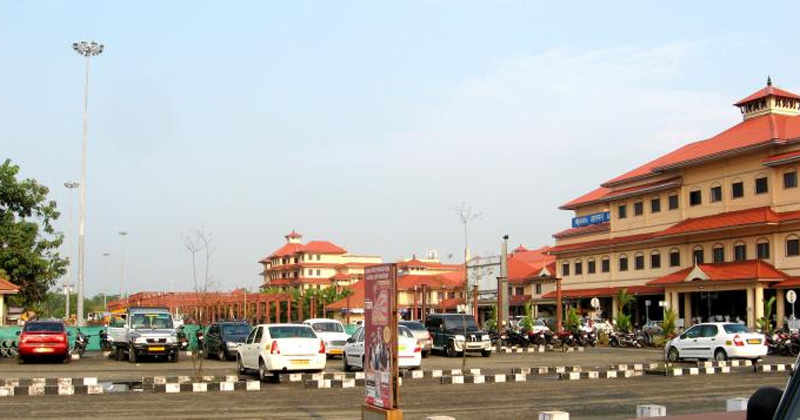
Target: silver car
point(421, 334)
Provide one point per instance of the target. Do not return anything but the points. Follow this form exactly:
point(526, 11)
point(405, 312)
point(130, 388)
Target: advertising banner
point(380, 335)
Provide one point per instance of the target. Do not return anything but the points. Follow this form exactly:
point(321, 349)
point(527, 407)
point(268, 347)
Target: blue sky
point(362, 122)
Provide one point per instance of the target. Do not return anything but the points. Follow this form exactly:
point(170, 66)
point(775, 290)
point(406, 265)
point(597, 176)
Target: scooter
point(183, 340)
point(105, 343)
point(200, 334)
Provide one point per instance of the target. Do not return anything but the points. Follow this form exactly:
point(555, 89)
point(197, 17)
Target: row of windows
point(295, 260)
point(761, 186)
point(311, 272)
point(792, 249)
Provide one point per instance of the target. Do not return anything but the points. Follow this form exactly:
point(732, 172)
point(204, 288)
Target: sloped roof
point(8, 288)
point(767, 91)
point(583, 230)
point(356, 299)
point(604, 292)
point(450, 303)
point(322, 247)
point(608, 194)
point(729, 271)
point(782, 158)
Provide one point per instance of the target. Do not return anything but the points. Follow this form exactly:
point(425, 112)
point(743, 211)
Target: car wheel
point(66, 359)
point(262, 371)
point(347, 367)
point(720, 355)
point(239, 366)
point(132, 356)
point(21, 360)
point(221, 355)
point(175, 357)
point(450, 350)
point(425, 354)
point(486, 353)
point(673, 355)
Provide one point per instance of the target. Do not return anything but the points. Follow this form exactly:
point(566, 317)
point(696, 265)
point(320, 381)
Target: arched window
point(591, 266)
point(718, 253)
point(623, 262)
point(655, 259)
point(564, 269)
point(762, 248)
point(698, 256)
point(674, 257)
point(638, 261)
point(578, 267)
point(792, 246)
point(739, 251)
point(605, 264)
point(715, 193)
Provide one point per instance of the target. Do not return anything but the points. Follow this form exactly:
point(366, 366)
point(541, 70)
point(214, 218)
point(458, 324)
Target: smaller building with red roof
point(6, 288)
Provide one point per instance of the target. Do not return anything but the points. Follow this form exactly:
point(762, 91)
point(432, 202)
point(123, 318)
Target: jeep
point(456, 333)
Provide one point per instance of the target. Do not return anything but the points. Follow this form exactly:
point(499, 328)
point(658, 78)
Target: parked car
point(409, 352)
point(423, 336)
point(43, 339)
point(718, 341)
point(772, 403)
point(332, 334)
point(224, 338)
point(456, 333)
point(273, 349)
point(144, 332)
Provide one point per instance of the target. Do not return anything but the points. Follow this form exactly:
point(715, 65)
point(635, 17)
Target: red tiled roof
point(519, 299)
point(782, 158)
point(755, 216)
point(520, 248)
point(287, 249)
point(437, 281)
point(8, 288)
point(767, 91)
point(604, 292)
point(625, 192)
point(450, 303)
point(534, 256)
point(729, 271)
point(528, 264)
point(583, 230)
point(322, 247)
point(790, 283)
point(589, 197)
point(341, 276)
point(294, 235)
point(789, 216)
point(602, 243)
point(356, 299)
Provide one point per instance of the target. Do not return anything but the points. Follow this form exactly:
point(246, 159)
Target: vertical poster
point(380, 335)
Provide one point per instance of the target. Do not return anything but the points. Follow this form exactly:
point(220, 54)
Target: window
point(591, 267)
point(310, 272)
point(655, 205)
point(623, 263)
point(695, 198)
point(638, 208)
point(622, 211)
point(638, 261)
point(319, 257)
point(762, 249)
point(718, 253)
point(761, 185)
point(698, 256)
point(739, 251)
point(440, 295)
point(792, 246)
point(716, 194)
point(538, 288)
point(737, 189)
point(655, 260)
point(519, 291)
point(578, 268)
point(605, 265)
point(565, 269)
point(673, 202)
point(674, 258)
point(790, 179)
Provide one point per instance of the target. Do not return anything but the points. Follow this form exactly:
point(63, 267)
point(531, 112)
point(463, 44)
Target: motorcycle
point(105, 343)
point(183, 340)
point(516, 338)
point(200, 334)
point(81, 341)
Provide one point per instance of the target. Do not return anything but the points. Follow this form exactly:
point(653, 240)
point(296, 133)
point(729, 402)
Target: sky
point(361, 122)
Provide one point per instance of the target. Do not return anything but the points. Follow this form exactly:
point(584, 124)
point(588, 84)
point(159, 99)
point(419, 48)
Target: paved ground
point(601, 398)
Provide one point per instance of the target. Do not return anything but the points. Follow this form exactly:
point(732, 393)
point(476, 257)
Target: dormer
point(293, 238)
point(769, 100)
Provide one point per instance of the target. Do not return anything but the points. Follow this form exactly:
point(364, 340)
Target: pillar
point(751, 297)
point(676, 300)
point(780, 311)
point(759, 301)
point(289, 310)
point(268, 311)
point(277, 311)
point(614, 307)
point(687, 309)
point(2, 310)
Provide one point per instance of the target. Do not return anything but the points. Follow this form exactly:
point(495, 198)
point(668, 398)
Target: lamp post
point(88, 50)
point(105, 279)
point(122, 234)
point(66, 302)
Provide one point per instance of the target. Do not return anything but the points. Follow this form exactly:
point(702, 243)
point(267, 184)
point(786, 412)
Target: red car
point(43, 339)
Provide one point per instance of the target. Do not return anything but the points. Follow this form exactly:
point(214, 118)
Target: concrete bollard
point(553, 415)
point(650, 410)
point(736, 404)
point(440, 418)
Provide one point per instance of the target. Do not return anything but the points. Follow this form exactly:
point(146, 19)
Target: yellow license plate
point(753, 341)
point(299, 362)
point(43, 350)
point(402, 348)
point(156, 348)
point(335, 351)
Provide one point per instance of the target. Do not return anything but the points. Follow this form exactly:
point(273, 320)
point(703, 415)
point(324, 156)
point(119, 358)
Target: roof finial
point(769, 80)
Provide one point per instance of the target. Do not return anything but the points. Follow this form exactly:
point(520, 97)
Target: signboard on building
point(380, 336)
point(591, 219)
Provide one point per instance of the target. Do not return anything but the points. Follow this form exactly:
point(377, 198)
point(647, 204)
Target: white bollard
point(440, 418)
point(736, 404)
point(650, 410)
point(553, 415)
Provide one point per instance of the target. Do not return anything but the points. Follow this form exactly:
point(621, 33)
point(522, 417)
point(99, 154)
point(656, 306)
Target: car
point(716, 340)
point(409, 351)
point(423, 336)
point(40, 339)
point(457, 333)
point(331, 332)
point(144, 332)
point(224, 338)
point(272, 349)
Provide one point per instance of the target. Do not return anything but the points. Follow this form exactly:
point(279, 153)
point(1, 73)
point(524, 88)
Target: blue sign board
point(591, 219)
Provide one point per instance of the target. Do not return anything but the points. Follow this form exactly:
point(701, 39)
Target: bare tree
point(198, 241)
point(465, 215)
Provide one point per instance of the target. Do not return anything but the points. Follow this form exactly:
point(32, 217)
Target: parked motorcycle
point(105, 343)
point(516, 338)
point(200, 334)
point(81, 342)
point(183, 339)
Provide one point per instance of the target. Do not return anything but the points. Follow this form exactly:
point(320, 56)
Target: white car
point(409, 354)
point(331, 332)
point(273, 349)
point(718, 341)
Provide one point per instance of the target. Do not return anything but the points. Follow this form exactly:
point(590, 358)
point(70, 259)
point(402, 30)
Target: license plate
point(402, 348)
point(335, 351)
point(300, 362)
point(43, 350)
point(753, 341)
point(156, 348)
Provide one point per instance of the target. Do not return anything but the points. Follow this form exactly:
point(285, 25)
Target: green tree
point(623, 300)
point(527, 322)
point(29, 244)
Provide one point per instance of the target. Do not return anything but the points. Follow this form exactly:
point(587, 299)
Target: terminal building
point(710, 230)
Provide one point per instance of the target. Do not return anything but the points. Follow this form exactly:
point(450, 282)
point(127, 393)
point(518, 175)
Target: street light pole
point(88, 50)
point(66, 303)
point(105, 279)
point(122, 234)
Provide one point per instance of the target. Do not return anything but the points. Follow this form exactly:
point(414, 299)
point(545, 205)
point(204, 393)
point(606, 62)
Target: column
point(268, 311)
point(687, 310)
point(667, 300)
point(289, 310)
point(676, 301)
point(759, 301)
point(614, 307)
point(2, 310)
point(780, 311)
point(751, 323)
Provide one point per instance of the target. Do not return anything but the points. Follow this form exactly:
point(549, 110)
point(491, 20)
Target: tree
point(623, 300)
point(29, 244)
point(198, 241)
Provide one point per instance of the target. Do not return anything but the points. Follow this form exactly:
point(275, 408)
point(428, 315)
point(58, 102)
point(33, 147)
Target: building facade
point(709, 230)
point(312, 265)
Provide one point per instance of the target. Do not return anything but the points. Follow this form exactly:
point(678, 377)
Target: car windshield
point(402, 330)
point(291, 331)
point(454, 322)
point(327, 327)
point(735, 328)
point(151, 321)
point(235, 329)
point(414, 326)
point(44, 327)
point(539, 323)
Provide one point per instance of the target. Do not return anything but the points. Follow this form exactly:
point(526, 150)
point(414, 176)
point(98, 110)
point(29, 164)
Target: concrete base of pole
point(553, 415)
point(650, 410)
point(736, 404)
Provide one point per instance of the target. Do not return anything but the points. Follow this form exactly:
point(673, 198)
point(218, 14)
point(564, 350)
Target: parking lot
point(596, 398)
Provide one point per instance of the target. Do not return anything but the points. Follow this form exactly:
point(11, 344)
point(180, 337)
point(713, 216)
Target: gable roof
point(729, 271)
point(767, 91)
point(8, 288)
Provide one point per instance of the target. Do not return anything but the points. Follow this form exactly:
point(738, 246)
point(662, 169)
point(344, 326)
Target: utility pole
point(122, 234)
point(88, 50)
point(105, 279)
point(67, 285)
point(502, 291)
